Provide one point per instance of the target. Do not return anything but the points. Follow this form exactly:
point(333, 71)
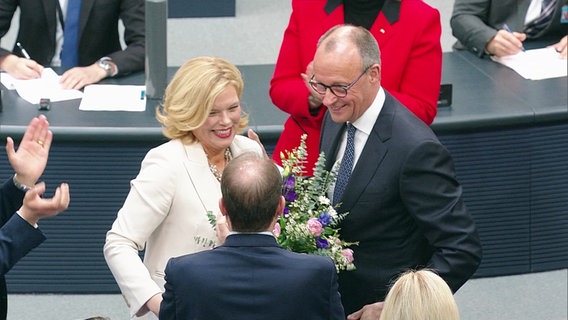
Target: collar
point(268, 233)
point(250, 240)
point(391, 9)
point(367, 120)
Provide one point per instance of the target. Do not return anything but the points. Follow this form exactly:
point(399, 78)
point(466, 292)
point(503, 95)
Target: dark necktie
point(69, 52)
point(346, 164)
point(537, 25)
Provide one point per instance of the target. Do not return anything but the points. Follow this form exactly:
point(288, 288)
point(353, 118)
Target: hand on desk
point(78, 77)
point(562, 47)
point(505, 43)
point(21, 68)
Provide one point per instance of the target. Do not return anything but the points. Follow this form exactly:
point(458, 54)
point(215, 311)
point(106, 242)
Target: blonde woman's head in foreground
point(420, 295)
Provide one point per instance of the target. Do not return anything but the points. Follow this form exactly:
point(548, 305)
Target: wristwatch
point(19, 185)
point(104, 63)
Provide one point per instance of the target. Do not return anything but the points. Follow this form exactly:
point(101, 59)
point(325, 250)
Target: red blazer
point(408, 34)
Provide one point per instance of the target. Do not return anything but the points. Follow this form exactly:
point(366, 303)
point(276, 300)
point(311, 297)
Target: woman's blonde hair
point(420, 295)
point(190, 95)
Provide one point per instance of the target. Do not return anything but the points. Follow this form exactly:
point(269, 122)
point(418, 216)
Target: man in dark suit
point(19, 233)
point(250, 276)
point(479, 25)
point(100, 53)
point(405, 205)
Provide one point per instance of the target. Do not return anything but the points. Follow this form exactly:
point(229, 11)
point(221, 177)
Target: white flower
point(324, 200)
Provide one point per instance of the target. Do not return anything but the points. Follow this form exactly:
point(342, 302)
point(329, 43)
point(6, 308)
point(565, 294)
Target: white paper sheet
point(45, 87)
point(7, 81)
point(107, 97)
point(536, 64)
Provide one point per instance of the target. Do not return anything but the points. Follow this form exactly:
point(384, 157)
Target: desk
point(508, 137)
point(70, 124)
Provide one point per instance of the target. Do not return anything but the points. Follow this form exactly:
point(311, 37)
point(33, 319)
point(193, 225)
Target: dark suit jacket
point(98, 34)
point(250, 277)
point(475, 22)
point(10, 201)
point(405, 208)
point(17, 238)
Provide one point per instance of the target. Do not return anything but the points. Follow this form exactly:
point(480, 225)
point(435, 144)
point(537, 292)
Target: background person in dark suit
point(405, 205)
point(478, 25)
point(99, 50)
point(18, 235)
point(250, 276)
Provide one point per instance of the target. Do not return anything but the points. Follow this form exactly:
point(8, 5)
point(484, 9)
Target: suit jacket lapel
point(201, 178)
point(50, 9)
point(371, 157)
point(86, 7)
point(329, 142)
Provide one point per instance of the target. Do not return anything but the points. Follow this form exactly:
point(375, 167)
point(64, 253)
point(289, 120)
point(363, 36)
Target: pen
point(23, 51)
point(506, 28)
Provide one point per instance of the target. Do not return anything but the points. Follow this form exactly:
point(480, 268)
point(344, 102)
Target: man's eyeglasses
point(338, 90)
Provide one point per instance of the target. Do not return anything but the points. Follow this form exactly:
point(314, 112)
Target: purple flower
point(321, 243)
point(286, 211)
point(324, 219)
point(290, 196)
point(288, 191)
point(289, 183)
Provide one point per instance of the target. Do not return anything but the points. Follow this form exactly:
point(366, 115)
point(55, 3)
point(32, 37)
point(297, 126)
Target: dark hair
point(251, 187)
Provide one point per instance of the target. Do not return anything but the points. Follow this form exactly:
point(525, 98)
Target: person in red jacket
point(408, 33)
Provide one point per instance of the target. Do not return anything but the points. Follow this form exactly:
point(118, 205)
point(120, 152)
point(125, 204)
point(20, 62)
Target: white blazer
point(164, 212)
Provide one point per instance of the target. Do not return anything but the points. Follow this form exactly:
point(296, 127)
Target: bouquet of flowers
point(309, 221)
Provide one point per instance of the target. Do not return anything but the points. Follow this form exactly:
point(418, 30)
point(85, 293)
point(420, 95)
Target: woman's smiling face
point(222, 124)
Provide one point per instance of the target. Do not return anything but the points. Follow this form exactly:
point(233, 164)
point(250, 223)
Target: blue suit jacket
point(405, 207)
point(251, 277)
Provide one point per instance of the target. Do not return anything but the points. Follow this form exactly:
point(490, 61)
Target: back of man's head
point(252, 188)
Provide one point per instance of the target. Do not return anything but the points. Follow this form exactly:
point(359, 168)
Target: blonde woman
point(420, 295)
point(166, 211)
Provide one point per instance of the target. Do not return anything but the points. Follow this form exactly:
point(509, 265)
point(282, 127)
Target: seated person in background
point(499, 27)
point(94, 53)
point(250, 276)
point(418, 295)
point(408, 33)
point(17, 234)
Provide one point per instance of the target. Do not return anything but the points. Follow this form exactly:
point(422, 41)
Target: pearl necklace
point(218, 174)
